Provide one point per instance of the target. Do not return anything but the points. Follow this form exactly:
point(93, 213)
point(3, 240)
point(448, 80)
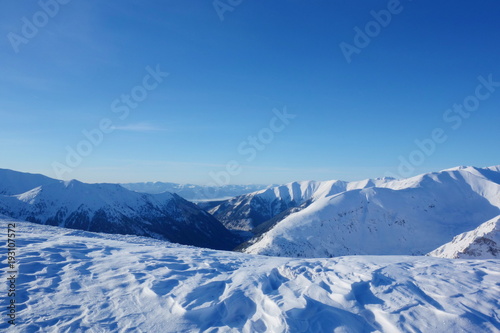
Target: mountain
point(194, 192)
point(13, 182)
point(77, 281)
point(480, 243)
point(411, 216)
point(113, 209)
point(247, 212)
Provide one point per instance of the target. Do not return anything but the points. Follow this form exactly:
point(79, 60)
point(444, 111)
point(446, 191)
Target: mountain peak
point(409, 216)
point(15, 182)
point(482, 242)
point(109, 208)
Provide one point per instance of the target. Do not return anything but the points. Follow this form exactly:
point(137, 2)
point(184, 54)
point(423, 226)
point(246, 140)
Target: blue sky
point(353, 120)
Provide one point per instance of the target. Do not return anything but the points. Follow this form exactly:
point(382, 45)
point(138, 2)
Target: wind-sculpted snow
point(76, 281)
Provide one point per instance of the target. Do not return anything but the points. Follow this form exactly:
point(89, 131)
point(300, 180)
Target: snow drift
point(77, 281)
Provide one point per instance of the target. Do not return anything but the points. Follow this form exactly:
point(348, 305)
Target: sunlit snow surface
point(482, 242)
point(76, 281)
point(411, 216)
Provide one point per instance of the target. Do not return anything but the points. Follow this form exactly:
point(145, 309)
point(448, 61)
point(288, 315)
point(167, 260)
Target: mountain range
point(452, 213)
point(246, 212)
point(195, 193)
point(109, 208)
point(411, 216)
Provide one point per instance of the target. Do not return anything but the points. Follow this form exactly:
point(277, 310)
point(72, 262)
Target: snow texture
point(77, 281)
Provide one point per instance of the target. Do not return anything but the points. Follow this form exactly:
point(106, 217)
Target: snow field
point(76, 281)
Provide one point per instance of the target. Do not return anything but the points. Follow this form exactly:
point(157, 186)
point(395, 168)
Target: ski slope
point(78, 281)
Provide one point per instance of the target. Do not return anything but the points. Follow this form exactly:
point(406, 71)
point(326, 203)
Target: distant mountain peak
point(109, 208)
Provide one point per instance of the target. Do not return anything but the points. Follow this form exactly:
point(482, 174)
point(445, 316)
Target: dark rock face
point(250, 212)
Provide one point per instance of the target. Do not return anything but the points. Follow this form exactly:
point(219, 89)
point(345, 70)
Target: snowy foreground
point(76, 281)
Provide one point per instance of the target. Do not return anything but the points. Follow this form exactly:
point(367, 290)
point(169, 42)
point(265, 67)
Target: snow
point(13, 182)
point(110, 208)
point(246, 212)
point(482, 242)
point(77, 281)
point(391, 217)
point(73, 194)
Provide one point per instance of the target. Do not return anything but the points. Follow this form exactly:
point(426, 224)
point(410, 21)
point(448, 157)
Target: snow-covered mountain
point(248, 211)
point(193, 192)
point(13, 182)
point(110, 208)
point(77, 281)
point(411, 216)
point(482, 242)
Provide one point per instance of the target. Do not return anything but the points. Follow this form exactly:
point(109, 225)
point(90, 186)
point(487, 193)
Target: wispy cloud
point(140, 127)
point(31, 82)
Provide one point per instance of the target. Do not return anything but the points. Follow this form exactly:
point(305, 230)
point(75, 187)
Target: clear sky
point(362, 79)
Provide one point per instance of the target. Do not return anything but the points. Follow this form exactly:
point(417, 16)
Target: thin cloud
point(140, 127)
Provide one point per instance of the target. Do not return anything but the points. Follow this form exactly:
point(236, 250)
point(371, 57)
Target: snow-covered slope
point(13, 182)
point(411, 216)
point(76, 281)
point(482, 242)
point(114, 209)
point(246, 212)
point(194, 192)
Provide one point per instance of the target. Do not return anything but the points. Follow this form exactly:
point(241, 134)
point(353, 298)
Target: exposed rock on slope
point(480, 243)
point(113, 209)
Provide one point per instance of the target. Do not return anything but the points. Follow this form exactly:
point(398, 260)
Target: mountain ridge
point(192, 192)
point(114, 209)
point(409, 216)
point(482, 242)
